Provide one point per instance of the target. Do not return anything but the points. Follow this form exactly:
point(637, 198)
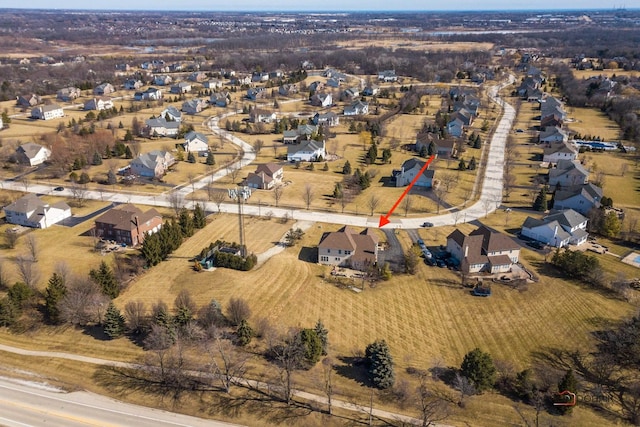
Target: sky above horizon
point(327, 5)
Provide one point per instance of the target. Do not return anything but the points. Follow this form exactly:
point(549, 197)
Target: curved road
point(490, 195)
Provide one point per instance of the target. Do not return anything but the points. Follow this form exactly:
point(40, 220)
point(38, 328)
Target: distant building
point(47, 112)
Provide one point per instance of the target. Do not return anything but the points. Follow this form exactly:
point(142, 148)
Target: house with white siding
point(31, 211)
point(559, 229)
point(32, 154)
point(47, 112)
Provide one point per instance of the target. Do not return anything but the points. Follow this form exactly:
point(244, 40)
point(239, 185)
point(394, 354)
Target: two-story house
point(153, 164)
point(31, 211)
point(265, 177)
point(409, 170)
point(483, 250)
point(558, 229)
point(348, 248)
point(128, 224)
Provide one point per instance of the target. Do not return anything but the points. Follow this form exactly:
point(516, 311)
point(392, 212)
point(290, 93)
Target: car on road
point(58, 189)
point(427, 224)
point(519, 130)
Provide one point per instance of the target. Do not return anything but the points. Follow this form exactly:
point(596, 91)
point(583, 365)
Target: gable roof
point(413, 163)
point(568, 218)
point(492, 241)
point(589, 191)
point(363, 244)
point(269, 168)
point(30, 149)
point(192, 135)
point(124, 217)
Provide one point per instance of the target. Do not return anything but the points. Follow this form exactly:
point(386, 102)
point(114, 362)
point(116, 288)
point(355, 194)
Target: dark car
point(440, 263)
point(58, 189)
point(535, 244)
point(427, 224)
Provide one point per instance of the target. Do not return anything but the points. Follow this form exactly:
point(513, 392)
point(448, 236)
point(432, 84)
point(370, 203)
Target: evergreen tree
point(186, 223)
point(472, 164)
point(386, 155)
point(478, 367)
point(55, 291)
point(540, 204)
point(337, 191)
point(432, 148)
point(9, 312)
point(478, 142)
point(423, 151)
point(151, 249)
point(199, 219)
point(105, 278)
point(84, 178)
point(191, 158)
point(111, 178)
point(611, 225)
point(346, 169)
point(211, 160)
point(323, 335)
point(97, 159)
point(462, 165)
point(380, 364)
point(244, 333)
point(325, 167)
point(127, 153)
point(128, 136)
point(567, 383)
point(113, 322)
point(312, 346)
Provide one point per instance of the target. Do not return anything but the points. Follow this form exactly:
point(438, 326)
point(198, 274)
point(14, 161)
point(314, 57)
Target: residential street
point(490, 196)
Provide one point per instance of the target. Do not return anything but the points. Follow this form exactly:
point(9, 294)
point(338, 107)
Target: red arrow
point(384, 219)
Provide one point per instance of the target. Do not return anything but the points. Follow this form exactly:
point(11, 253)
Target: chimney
point(466, 251)
point(555, 231)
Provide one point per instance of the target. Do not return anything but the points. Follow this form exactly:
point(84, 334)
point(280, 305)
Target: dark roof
point(124, 217)
point(492, 241)
point(268, 168)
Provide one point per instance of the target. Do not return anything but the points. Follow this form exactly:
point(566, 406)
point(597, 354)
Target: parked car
point(427, 224)
point(58, 189)
point(440, 263)
point(421, 244)
point(535, 244)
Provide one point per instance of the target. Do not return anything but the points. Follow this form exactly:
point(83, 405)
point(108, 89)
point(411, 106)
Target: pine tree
point(210, 159)
point(567, 383)
point(199, 219)
point(312, 346)
point(540, 204)
point(462, 165)
point(186, 223)
point(128, 136)
point(244, 333)
point(432, 148)
point(346, 169)
point(323, 335)
point(337, 191)
point(380, 364)
point(127, 153)
point(55, 291)
point(325, 167)
point(111, 178)
point(97, 159)
point(113, 322)
point(191, 158)
point(478, 142)
point(472, 164)
point(478, 367)
point(105, 278)
point(423, 151)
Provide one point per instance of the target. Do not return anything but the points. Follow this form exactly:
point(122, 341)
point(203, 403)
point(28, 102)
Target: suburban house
point(558, 229)
point(302, 133)
point(455, 127)
point(333, 82)
point(387, 76)
point(316, 86)
point(288, 89)
point(551, 120)
point(197, 76)
point(556, 151)
point(153, 164)
point(151, 94)
point(351, 93)
point(32, 154)
point(258, 115)
point(254, 94)
point(162, 80)
point(348, 248)
point(259, 76)
point(30, 211)
point(265, 177)
point(370, 90)
point(181, 87)
point(99, 104)
point(171, 113)
point(553, 134)
point(483, 250)
point(161, 127)
point(68, 94)
point(220, 99)
point(240, 80)
point(581, 198)
point(330, 119)
point(195, 142)
point(194, 106)
point(307, 151)
point(321, 100)
point(213, 84)
point(445, 148)
point(408, 171)
point(104, 89)
point(568, 173)
point(28, 101)
point(128, 224)
point(356, 109)
point(47, 112)
point(132, 84)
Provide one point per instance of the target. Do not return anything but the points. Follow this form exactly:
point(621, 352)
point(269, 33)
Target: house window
point(339, 251)
point(337, 259)
point(347, 252)
point(328, 251)
point(324, 258)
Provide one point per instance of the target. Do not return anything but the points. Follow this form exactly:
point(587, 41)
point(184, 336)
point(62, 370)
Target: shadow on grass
point(308, 254)
point(354, 368)
point(96, 332)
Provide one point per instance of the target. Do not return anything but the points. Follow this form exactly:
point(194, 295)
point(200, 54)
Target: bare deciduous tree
point(84, 303)
point(79, 194)
point(407, 204)
point(176, 201)
point(11, 238)
point(237, 311)
point(433, 406)
point(327, 370)
point(307, 195)
point(226, 362)
point(233, 171)
point(257, 146)
point(135, 314)
point(277, 194)
point(218, 197)
point(32, 247)
point(4, 278)
point(28, 271)
point(373, 203)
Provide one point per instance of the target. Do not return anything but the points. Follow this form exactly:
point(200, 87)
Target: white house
point(408, 171)
point(99, 104)
point(30, 211)
point(104, 89)
point(162, 80)
point(306, 151)
point(32, 154)
point(553, 134)
point(321, 100)
point(213, 84)
point(557, 151)
point(181, 87)
point(68, 94)
point(356, 109)
point(258, 115)
point(483, 250)
point(568, 173)
point(161, 127)
point(558, 230)
point(47, 112)
point(220, 99)
point(194, 106)
point(153, 164)
point(388, 76)
point(581, 199)
point(151, 94)
point(132, 84)
point(265, 177)
point(171, 113)
point(195, 142)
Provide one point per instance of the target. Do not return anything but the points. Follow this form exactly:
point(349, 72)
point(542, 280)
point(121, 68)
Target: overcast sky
point(326, 5)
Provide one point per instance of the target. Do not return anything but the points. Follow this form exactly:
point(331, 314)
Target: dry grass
point(585, 74)
point(589, 121)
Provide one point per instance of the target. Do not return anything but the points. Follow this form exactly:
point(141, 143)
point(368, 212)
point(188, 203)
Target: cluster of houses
point(464, 110)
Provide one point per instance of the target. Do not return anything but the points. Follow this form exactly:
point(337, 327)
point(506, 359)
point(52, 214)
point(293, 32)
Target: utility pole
point(240, 195)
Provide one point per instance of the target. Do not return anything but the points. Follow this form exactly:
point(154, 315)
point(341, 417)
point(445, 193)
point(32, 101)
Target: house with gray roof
point(150, 94)
point(68, 94)
point(568, 173)
point(104, 89)
point(32, 154)
point(220, 99)
point(483, 250)
point(306, 151)
point(171, 113)
point(31, 211)
point(161, 127)
point(348, 248)
point(28, 101)
point(99, 103)
point(194, 106)
point(553, 134)
point(357, 108)
point(153, 164)
point(330, 119)
point(321, 99)
point(180, 88)
point(556, 151)
point(408, 171)
point(387, 76)
point(559, 229)
point(47, 112)
point(195, 142)
point(580, 198)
